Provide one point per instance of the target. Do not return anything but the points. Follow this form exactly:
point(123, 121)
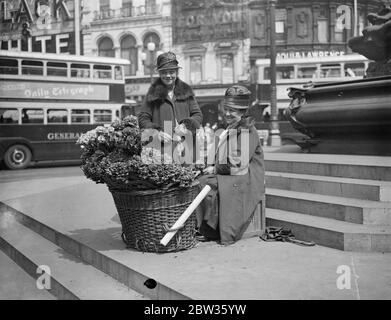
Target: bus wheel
point(17, 156)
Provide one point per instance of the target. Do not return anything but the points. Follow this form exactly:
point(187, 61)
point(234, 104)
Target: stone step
point(135, 279)
point(334, 186)
point(346, 166)
point(332, 233)
point(16, 284)
point(357, 211)
point(70, 278)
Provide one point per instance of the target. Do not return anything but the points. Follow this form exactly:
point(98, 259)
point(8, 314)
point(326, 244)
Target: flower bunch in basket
point(115, 155)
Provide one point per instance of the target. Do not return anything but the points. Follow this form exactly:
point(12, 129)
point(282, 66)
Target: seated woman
point(237, 177)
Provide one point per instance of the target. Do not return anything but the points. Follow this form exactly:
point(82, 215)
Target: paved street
point(63, 199)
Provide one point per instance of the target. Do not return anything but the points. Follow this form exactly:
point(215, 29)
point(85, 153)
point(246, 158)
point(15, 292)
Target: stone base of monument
point(352, 117)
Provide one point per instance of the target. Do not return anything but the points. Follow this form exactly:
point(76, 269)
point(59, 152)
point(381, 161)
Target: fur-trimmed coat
point(158, 107)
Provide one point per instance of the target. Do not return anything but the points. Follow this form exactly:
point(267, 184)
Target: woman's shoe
point(202, 238)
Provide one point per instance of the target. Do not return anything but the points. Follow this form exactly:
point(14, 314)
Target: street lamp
point(274, 136)
point(148, 58)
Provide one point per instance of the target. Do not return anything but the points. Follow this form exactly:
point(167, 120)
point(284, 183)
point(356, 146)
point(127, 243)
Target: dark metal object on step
point(279, 234)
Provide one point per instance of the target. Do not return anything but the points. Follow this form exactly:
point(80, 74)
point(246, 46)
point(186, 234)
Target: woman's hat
point(166, 61)
point(237, 97)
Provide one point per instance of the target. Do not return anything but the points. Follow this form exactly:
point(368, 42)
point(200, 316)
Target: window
point(32, 67)
point(330, 71)
point(361, 23)
point(354, 69)
point(129, 51)
point(56, 69)
point(9, 116)
point(281, 17)
point(338, 33)
point(32, 116)
point(8, 66)
point(105, 48)
point(150, 56)
point(57, 116)
point(80, 116)
point(118, 73)
point(307, 72)
point(323, 30)
point(102, 116)
point(195, 69)
point(280, 28)
point(150, 6)
point(282, 72)
point(127, 8)
point(227, 68)
point(104, 5)
point(80, 70)
point(102, 72)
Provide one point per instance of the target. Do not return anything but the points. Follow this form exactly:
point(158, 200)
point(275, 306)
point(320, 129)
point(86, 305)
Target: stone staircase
point(338, 201)
point(33, 245)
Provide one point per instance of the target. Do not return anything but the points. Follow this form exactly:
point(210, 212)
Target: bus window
point(57, 116)
point(80, 116)
point(330, 70)
point(102, 116)
point(282, 72)
point(118, 73)
point(57, 69)
point(8, 66)
point(102, 72)
point(80, 70)
point(10, 116)
point(306, 72)
point(32, 116)
point(356, 69)
point(32, 67)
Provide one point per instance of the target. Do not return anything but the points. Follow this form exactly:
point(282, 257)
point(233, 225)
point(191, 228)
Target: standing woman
point(237, 177)
point(170, 103)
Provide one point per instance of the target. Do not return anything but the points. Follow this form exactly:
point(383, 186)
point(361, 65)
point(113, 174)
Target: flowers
point(115, 155)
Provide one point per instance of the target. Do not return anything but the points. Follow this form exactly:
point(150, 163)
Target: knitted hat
point(166, 61)
point(237, 97)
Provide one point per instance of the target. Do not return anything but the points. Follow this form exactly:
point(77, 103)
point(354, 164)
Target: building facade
point(38, 26)
point(211, 39)
point(131, 29)
point(307, 25)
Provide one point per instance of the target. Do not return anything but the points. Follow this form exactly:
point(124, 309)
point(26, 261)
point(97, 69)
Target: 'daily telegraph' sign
point(31, 90)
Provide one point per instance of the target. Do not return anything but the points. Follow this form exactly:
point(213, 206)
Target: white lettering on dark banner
point(64, 135)
point(308, 54)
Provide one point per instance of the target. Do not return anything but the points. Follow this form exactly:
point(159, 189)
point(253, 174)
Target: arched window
point(105, 47)
point(129, 52)
point(150, 61)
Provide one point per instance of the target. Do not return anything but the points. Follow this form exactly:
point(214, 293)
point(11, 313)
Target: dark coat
point(240, 186)
point(158, 107)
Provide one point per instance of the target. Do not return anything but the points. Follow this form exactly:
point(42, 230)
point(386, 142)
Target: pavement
point(249, 269)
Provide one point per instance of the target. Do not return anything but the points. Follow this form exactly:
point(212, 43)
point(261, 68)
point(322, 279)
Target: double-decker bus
point(299, 72)
point(48, 100)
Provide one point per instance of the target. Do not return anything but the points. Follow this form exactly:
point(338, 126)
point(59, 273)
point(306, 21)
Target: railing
point(126, 12)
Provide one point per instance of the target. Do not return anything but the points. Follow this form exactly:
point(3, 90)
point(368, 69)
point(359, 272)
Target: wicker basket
point(147, 215)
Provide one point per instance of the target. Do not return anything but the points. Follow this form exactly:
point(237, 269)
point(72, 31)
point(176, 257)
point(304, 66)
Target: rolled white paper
point(185, 215)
